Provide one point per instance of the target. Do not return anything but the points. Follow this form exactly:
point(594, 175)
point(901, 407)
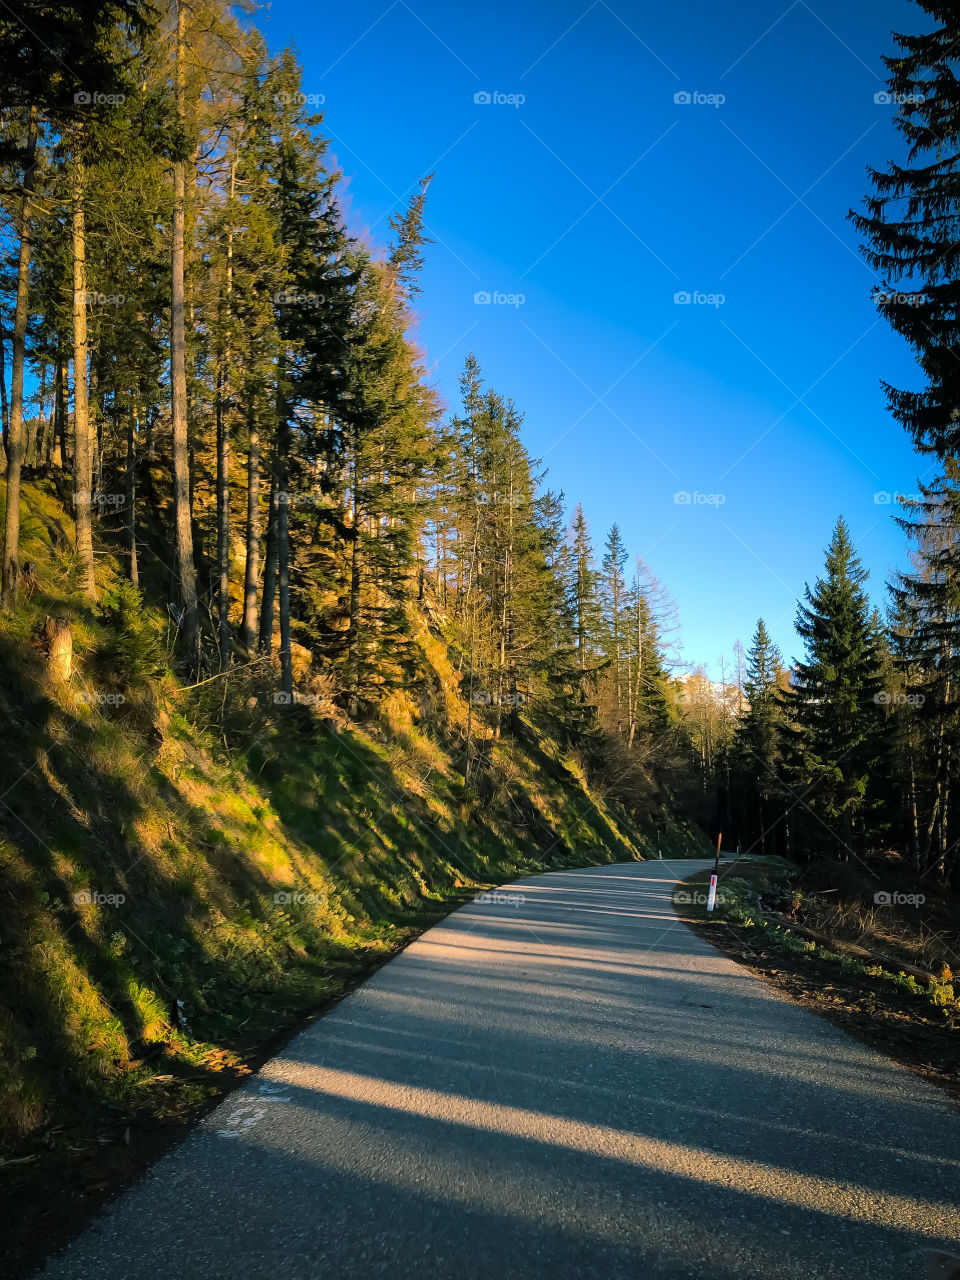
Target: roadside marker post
point(712, 895)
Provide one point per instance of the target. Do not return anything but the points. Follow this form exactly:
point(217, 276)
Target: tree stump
point(57, 638)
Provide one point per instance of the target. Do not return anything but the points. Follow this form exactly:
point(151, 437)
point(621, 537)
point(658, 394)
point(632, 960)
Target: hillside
point(187, 869)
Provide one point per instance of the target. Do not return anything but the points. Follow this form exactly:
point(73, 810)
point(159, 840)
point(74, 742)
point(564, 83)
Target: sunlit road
point(562, 1083)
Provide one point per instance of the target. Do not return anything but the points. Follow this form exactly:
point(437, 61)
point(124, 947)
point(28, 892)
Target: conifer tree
point(613, 594)
point(910, 227)
point(832, 744)
point(583, 591)
point(757, 747)
point(909, 230)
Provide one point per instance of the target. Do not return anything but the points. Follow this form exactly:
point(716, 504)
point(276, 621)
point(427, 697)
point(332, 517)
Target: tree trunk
point(269, 573)
point(38, 451)
point(57, 638)
point(223, 523)
point(4, 402)
point(14, 429)
point(82, 451)
point(250, 570)
point(130, 478)
point(95, 410)
point(353, 648)
point(60, 410)
point(283, 583)
point(186, 572)
point(223, 462)
point(914, 823)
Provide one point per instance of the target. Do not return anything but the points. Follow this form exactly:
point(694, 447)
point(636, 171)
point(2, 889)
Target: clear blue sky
point(600, 197)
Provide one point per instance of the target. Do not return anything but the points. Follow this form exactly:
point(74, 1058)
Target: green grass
point(141, 858)
point(737, 906)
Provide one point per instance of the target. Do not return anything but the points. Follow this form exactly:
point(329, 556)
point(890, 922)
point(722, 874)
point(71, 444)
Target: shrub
point(132, 648)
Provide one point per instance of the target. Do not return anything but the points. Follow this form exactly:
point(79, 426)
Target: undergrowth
point(183, 870)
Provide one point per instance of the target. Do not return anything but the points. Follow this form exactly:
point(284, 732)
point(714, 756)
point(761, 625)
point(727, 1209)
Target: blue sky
point(600, 197)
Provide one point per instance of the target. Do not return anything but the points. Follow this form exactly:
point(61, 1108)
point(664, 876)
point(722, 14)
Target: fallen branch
point(861, 953)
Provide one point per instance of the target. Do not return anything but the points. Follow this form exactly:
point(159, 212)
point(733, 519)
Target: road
point(561, 1082)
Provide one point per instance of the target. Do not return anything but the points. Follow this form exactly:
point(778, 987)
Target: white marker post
point(712, 895)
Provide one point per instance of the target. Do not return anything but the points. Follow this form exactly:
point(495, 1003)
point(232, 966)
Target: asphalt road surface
point(561, 1082)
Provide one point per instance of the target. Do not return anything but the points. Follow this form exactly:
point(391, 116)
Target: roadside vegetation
point(882, 965)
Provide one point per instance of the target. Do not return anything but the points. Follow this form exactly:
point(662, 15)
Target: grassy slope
point(142, 801)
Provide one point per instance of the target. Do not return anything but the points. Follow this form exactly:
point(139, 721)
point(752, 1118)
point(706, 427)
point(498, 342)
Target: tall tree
point(83, 492)
point(583, 599)
point(833, 742)
point(189, 620)
point(757, 747)
point(910, 227)
point(52, 58)
point(13, 436)
point(613, 594)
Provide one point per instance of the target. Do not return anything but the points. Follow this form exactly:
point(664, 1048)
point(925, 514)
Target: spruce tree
point(910, 227)
point(757, 745)
point(582, 591)
point(615, 620)
point(832, 744)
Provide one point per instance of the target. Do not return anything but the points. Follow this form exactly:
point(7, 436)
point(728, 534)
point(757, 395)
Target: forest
point(287, 628)
point(224, 386)
point(297, 657)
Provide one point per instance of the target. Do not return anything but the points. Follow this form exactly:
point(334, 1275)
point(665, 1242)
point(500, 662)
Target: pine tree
point(910, 227)
point(583, 591)
point(926, 646)
point(757, 746)
point(51, 57)
point(647, 675)
point(613, 594)
point(405, 258)
point(832, 744)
